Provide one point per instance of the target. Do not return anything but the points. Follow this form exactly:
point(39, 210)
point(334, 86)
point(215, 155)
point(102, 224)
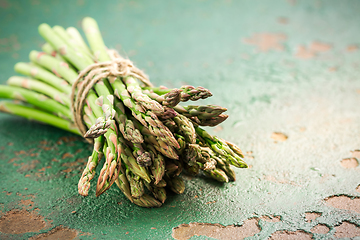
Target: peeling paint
point(344, 202)
point(312, 50)
point(21, 221)
point(349, 163)
point(288, 235)
point(267, 41)
point(310, 216)
point(347, 230)
point(218, 231)
point(279, 137)
point(320, 229)
point(59, 232)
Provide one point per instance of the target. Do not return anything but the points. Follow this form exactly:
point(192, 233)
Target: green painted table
point(288, 71)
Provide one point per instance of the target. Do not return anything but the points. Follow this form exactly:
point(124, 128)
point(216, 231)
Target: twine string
point(94, 73)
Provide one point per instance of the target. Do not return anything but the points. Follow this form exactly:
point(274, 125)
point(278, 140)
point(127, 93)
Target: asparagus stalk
point(71, 43)
point(147, 119)
point(41, 74)
point(135, 148)
point(217, 174)
point(51, 51)
point(38, 115)
point(186, 128)
point(81, 62)
point(135, 91)
point(211, 122)
point(89, 171)
point(171, 99)
point(158, 143)
point(176, 184)
point(36, 99)
point(62, 69)
point(158, 166)
point(40, 87)
point(136, 185)
point(126, 126)
point(219, 146)
point(147, 201)
point(158, 192)
point(77, 39)
point(187, 92)
point(123, 184)
point(201, 112)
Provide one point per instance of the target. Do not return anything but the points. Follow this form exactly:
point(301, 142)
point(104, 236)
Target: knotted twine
point(87, 78)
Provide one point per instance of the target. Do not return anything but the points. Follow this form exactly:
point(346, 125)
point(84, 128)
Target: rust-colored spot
point(347, 230)
point(311, 51)
point(69, 164)
point(26, 203)
point(66, 155)
point(333, 69)
point(282, 181)
point(21, 221)
point(153, 228)
point(309, 216)
point(320, 47)
point(283, 20)
point(358, 188)
point(28, 166)
point(13, 160)
point(279, 137)
point(218, 231)
point(349, 163)
point(320, 229)
point(10, 144)
point(4, 4)
point(39, 174)
point(67, 170)
point(78, 151)
point(287, 235)
point(271, 218)
point(59, 232)
point(211, 202)
point(267, 41)
point(69, 139)
point(7, 193)
point(46, 148)
point(302, 129)
point(344, 202)
point(356, 154)
point(352, 48)
point(292, 2)
point(20, 152)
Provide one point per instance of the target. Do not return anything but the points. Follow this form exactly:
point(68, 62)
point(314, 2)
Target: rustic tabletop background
point(289, 74)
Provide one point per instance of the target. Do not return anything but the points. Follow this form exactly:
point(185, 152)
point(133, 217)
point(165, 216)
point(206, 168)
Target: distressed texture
point(289, 67)
point(217, 231)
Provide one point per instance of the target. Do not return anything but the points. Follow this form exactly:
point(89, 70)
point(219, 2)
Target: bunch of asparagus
point(147, 138)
